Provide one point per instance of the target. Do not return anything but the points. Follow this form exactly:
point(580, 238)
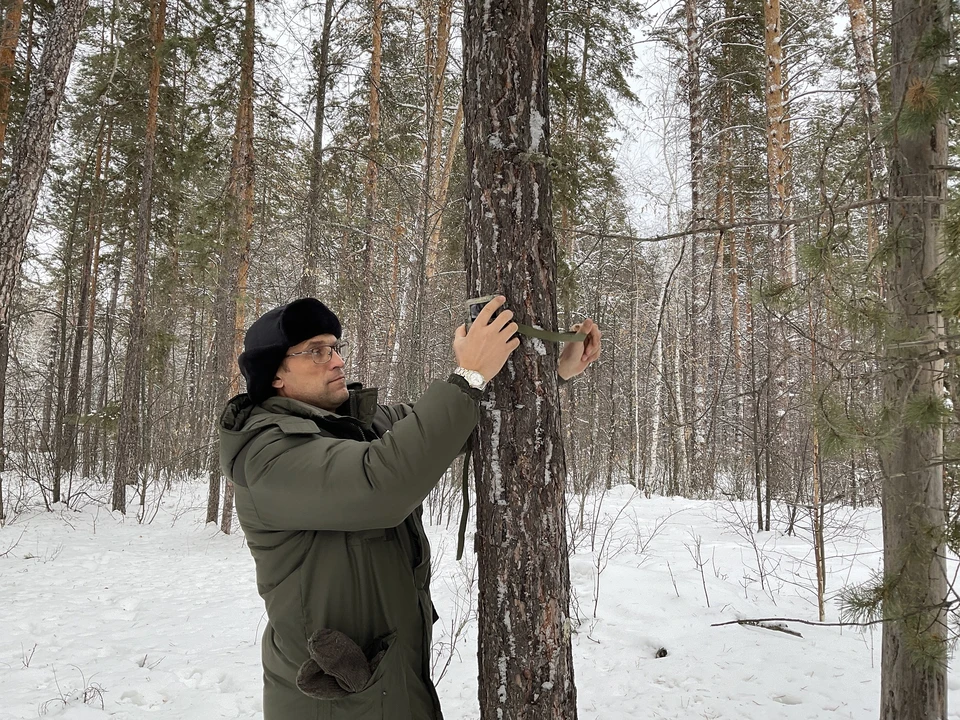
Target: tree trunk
point(867, 81)
point(913, 670)
point(696, 369)
point(364, 325)
point(32, 149)
point(67, 451)
point(778, 136)
point(311, 269)
point(525, 659)
point(129, 460)
point(99, 197)
point(860, 30)
point(8, 52)
point(4, 348)
point(100, 432)
point(437, 54)
point(238, 229)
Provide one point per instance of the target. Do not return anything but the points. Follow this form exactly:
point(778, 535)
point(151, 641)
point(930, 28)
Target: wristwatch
point(473, 378)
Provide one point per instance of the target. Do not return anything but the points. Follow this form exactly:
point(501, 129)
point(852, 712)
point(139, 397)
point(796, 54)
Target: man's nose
point(336, 360)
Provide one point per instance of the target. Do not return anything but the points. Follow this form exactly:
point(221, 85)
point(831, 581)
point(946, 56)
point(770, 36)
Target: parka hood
point(242, 419)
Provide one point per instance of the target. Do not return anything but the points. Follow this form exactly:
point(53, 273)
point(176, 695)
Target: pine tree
point(526, 668)
point(913, 667)
point(129, 458)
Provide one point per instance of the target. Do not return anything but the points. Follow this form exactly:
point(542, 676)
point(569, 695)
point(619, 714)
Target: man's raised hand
point(488, 344)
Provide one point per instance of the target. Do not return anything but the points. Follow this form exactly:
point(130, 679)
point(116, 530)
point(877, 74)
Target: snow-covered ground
point(104, 617)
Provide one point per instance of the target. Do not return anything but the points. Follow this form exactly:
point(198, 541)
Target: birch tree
point(525, 658)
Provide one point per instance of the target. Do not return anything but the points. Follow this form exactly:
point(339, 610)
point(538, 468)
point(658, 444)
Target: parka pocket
point(375, 700)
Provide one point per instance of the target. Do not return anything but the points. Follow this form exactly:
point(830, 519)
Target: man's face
point(323, 386)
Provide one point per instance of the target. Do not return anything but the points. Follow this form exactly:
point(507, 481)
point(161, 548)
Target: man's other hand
point(578, 356)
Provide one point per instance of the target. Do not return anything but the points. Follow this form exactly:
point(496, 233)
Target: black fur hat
point(273, 333)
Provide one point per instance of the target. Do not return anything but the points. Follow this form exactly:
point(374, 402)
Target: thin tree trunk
point(4, 348)
point(100, 434)
point(434, 196)
point(525, 659)
point(239, 222)
point(365, 326)
point(816, 509)
point(28, 46)
point(311, 269)
point(861, 32)
point(67, 451)
point(755, 389)
point(129, 459)
point(18, 202)
point(914, 655)
point(696, 371)
point(440, 196)
point(59, 374)
point(867, 81)
point(778, 136)
point(99, 197)
point(8, 51)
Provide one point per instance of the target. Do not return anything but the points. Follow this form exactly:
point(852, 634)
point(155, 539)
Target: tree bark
point(696, 365)
point(861, 32)
point(913, 668)
point(8, 52)
point(364, 325)
point(437, 176)
point(311, 269)
point(778, 136)
point(525, 659)
point(867, 80)
point(129, 460)
point(18, 202)
point(238, 232)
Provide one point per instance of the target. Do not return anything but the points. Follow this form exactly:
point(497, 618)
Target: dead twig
point(10, 549)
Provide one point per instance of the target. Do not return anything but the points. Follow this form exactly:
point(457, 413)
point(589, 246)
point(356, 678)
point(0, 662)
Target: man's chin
point(339, 395)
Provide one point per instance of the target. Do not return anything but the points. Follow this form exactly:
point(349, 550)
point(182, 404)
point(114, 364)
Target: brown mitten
point(341, 657)
point(375, 661)
point(316, 683)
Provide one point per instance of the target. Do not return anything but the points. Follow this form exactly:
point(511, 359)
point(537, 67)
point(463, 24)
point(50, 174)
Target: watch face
point(473, 378)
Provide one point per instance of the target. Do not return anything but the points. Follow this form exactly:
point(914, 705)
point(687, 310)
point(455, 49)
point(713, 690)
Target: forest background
point(719, 176)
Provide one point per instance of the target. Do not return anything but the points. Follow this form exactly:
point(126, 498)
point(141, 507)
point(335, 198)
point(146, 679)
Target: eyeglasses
point(324, 353)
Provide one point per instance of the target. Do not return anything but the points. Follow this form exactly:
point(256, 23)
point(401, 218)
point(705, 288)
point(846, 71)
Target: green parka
point(330, 506)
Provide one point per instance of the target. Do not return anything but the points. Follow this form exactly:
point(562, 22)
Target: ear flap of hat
point(258, 367)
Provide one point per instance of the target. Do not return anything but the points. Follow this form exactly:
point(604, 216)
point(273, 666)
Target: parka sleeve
point(306, 481)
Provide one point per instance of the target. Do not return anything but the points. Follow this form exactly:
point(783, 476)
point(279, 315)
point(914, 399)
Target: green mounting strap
point(467, 456)
point(465, 489)
point(550, 336)
point(529, 331)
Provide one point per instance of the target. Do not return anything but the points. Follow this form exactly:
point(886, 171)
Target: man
point(328, 492)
